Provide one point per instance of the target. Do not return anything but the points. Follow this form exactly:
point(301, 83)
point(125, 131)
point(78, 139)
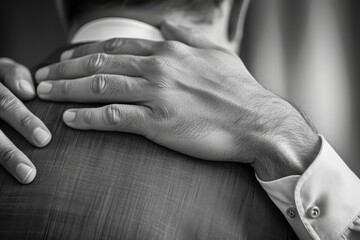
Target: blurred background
point(306, 51)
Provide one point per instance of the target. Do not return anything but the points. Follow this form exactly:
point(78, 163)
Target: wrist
point(288, 149)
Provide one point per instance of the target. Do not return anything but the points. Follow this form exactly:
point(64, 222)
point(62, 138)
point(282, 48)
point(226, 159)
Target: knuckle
point(163, 112)
point(7, 155)
point(60, 69)
point(99, 84)
point(111, 45)
point(163, 85)
point(96, 63)
point(112, 114)
point(65, 88)
point(120, 85)
point(157, 63)
point(88, 116)
point(7, 103)
point(26, 120)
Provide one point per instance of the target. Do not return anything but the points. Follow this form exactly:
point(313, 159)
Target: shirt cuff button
point(291, 212)
point(313, 212)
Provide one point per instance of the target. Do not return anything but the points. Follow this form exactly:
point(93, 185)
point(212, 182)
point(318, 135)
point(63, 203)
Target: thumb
point(189, 36)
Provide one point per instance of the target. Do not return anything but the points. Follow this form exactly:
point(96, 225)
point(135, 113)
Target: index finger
point(89, 65)
point(130, 46)
point(15, 113)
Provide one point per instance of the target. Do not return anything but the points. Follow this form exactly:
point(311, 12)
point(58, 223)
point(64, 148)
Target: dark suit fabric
point(108, 185)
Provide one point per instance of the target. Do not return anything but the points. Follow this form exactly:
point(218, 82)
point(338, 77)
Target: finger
point(191, 37)
point(17, 78)
point(97, 88)
point(14, 112)
point(127, 46)
point(89, 65)
point(115, 117)
point(15, 162)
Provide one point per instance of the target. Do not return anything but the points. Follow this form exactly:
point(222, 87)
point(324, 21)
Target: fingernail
point(42, 73)
point(26, 86)
point(41, 136)
point(69, 116)
point(23, 171)
point(66, 55)
point(44, 88)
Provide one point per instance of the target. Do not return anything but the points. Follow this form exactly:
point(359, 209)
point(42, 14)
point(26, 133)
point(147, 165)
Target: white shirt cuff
point(323, 202)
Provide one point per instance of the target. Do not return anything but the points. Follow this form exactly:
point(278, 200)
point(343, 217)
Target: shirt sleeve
point(324, 202)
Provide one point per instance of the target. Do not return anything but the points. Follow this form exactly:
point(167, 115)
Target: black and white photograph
point(179, 120)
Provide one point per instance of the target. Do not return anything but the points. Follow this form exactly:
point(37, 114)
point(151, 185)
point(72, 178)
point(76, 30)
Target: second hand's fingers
point(139, 47)
point(90, 65)
point(15, 162)
point(97, 88)
point(17, 78)
point(14, 112)
point(115, 117)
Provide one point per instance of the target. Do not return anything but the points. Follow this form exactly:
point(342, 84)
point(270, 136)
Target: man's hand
point(186, 94)
point(18, 79)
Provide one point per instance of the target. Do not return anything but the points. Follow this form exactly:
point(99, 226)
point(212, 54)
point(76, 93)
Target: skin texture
point(153, 84)
point(173, 93)
point(113, 185)
point(19, 82)
point(95, 176)
point(17, 78)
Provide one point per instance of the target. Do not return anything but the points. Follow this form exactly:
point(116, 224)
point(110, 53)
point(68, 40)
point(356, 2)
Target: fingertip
point(43, 89)
point(30, 177)
point(42, 74)
point(25, 173)
point(41, 137)
point(69, 116)
point(66, 55)
point(48, 140)
point(26, 90)
point(17, 164)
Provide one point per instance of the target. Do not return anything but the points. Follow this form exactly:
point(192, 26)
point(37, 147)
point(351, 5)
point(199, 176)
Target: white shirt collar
point(107, 28)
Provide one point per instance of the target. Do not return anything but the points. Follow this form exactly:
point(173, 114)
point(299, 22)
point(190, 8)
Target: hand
point(18, 79)
point(188, 95)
